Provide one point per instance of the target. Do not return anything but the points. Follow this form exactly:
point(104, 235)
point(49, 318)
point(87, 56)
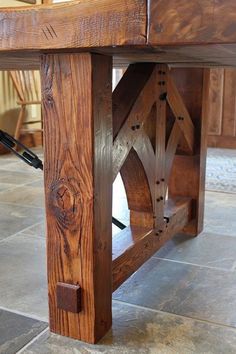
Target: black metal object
point(33, 160)
point(118, 223)
point(26, 155)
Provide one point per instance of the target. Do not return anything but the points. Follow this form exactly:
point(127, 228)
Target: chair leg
point(20, 121)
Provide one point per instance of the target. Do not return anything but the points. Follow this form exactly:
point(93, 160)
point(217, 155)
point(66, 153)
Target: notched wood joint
point(68, 297)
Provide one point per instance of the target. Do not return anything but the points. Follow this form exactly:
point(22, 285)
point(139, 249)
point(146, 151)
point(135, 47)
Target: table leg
point(187, 176)
point(77, 108)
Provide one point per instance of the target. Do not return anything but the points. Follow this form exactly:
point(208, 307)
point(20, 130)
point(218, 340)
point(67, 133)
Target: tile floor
point(183, 300)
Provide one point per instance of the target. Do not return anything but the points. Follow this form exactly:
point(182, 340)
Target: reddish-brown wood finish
point(78, 180)
point(161, 89)
point(134, 245)
point(221, 101)
point(69, 297)
point(187, 176)
point(165, 31)
point(156, 112)
point(133, 124)
point(171, 148)
point(202, 21)
point(181, 113)
point(76, 24)
point(130, 94)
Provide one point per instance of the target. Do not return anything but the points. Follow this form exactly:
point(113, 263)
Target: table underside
point(186, 56)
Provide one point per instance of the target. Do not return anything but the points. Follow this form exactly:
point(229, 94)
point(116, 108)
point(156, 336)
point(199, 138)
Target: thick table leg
point(78, 184)
point(187, 177)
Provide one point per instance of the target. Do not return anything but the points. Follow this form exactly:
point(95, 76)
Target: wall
point(9, 110)
point(222, 108)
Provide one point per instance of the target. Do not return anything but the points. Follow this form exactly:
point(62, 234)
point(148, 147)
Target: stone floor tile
point(210, 250)
point(25, 195)
point(16, 331)
point(17, 178)
point(38, 184)
point(220, 213)
point(183, 289)
point(6, 187)
point(15, 218)
point(18, 166)
point(23, 284)
point(142, 331)
point(38, 230)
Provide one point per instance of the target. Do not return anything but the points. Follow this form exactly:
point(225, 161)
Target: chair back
point(27, 86)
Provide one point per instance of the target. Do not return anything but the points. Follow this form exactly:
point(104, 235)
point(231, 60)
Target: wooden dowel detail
point(127, 92)
point(187, 177)
point(133, 124)
point(181, 113)
point(161, 87)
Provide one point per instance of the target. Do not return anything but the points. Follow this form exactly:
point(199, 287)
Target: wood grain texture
point(181, 113)
point(127, 92)
point(215, 99)
point(136, 185)
point(145, 152)
point(225, 142)
point(182, 21)
point(229, 109)
point(172, 31)
point(133, 124)
point(78, 185)
point(160, 90)
point(187, 177)
point(135, 245)
point(221, 104)
point(208, 55)
point(136, 179)
point(171, 149)
point(75, 24)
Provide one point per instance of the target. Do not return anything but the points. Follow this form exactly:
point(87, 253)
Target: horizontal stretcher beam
point(135, 245)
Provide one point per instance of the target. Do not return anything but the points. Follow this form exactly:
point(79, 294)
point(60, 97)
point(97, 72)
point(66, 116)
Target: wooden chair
point(27, 88)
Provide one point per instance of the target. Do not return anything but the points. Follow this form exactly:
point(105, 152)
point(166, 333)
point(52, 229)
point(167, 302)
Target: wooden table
point(151, 129)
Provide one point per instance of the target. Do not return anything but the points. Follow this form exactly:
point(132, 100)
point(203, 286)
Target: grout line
point(30, 236)
point(21, 231)
point(25, 314)
point(194, 264)
point(217, 191)
point(32, 341)
point(174, 314)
